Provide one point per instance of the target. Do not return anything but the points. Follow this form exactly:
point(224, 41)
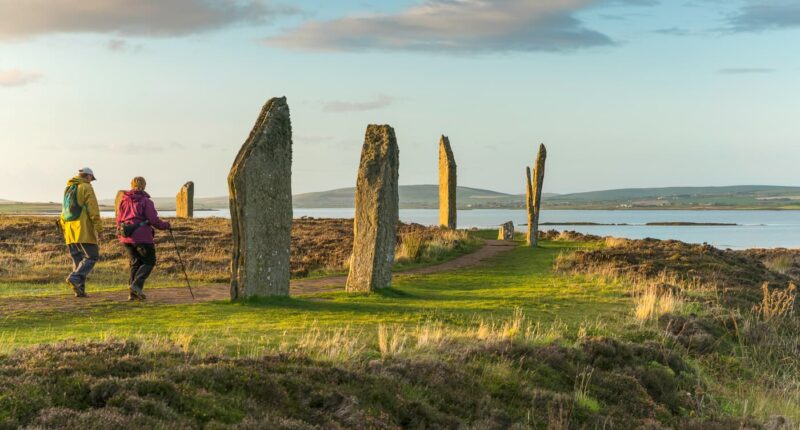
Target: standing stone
point(447, 184)
point(538, 182)
point(117, 201)
point(529, 203)
point(260, 189)
point(506, 231)
point(377, 211)
point(184, 201)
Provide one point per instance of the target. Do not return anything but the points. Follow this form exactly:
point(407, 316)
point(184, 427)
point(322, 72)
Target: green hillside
point(427, 197)
point(729, 197)
point(411, 196)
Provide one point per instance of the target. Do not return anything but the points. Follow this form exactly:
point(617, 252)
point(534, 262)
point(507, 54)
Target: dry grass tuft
point(777, 303)
point(651, 303)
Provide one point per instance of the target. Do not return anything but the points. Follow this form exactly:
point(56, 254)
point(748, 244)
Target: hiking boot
point(135, 295)
point(79, 292)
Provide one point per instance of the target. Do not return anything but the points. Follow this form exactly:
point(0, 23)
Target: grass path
point(207, 293)
point(519, 280)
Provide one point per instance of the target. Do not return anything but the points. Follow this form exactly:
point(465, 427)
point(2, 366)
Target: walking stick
point(178, 251)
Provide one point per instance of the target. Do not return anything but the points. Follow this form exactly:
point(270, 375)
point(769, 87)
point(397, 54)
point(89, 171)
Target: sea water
point(752, 229)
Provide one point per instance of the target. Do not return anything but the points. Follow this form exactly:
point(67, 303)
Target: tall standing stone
point(529, 204)
point(538, 182)
point(377, 211)
point(447, 184)
point(184, 201)
point(117, 201)
point(260, 189)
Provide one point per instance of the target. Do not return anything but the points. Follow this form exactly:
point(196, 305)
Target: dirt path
point(206, 293)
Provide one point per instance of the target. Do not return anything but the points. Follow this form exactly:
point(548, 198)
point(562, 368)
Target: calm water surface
point(754, 229)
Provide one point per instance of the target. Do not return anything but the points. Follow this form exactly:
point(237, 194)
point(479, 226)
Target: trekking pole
point(178, 251)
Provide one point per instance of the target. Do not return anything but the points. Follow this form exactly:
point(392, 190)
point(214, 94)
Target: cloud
point(457, 26)
point(672, 31)
point(158, 18)
point(379, 102)
point(744, 71)
point(17, 78)
point(122, 45)
point(762, 16)
point(134, 148)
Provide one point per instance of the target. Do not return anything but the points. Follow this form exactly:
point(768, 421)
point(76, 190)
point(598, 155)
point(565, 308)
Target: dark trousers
point(142, 261)
point(84, 257)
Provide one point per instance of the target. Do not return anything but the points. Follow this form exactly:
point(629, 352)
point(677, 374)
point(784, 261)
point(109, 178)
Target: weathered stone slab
point(506, 231)
point(529, 203)
point(377, 211)
point(184, 201)
point(260, 189)
point(117, 201)
point(447, 184)
point(538, 182)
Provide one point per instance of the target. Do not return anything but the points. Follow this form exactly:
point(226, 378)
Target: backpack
point(71, 210)
point(125, 229)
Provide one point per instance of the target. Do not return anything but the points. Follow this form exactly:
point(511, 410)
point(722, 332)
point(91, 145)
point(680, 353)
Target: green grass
point(99, 280)
point(511, 327)
point(521, 279)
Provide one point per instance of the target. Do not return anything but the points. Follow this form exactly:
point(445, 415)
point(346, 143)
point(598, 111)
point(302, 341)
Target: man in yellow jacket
point(81, 224)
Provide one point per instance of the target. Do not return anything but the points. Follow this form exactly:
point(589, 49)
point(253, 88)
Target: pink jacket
point(137, 207)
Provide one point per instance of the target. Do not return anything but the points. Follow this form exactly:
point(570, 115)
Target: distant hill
point(728, 197)
point(427, 196)
point(168, 203)
point(411, 196)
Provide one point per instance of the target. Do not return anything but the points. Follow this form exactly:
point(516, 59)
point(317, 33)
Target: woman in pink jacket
point(136, 218)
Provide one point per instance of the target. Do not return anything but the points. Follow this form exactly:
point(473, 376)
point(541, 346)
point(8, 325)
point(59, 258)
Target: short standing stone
point(447, 184)
point(506, 231)
point(117, 201)
point(184, 201)
point(377, 211)
point(260, 189)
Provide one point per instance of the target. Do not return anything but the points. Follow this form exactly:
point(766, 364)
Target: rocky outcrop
point(117, 201)
point(184, 201)
point(377, 211)
point(506, 231)
point(260, 189)
point(447, 184)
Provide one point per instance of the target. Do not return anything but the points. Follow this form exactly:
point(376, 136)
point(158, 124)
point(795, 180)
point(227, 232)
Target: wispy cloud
point(457, 26)
point(137, 147)
point(763, 15)
point(380, 102)
point(17, 78)
point(122, 45)
point(130, 17)
point(672, 31)
point(744, 71)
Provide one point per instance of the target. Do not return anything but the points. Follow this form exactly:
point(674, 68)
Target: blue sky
point(624, 93)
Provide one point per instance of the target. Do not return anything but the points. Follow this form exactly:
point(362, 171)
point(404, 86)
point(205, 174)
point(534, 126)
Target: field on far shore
point(581, 333)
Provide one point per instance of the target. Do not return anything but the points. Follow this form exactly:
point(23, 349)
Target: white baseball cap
point(87, 171)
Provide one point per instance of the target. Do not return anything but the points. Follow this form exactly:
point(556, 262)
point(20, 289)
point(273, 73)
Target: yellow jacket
point(88, 226)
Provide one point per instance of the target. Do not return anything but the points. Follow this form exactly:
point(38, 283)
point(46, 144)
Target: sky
point(624, 93)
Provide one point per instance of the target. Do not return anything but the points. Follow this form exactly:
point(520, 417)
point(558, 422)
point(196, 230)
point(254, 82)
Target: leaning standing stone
point(184, 201)
point(377, 211)
point(538, 182)
point(447, 184)
point(260, 189)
